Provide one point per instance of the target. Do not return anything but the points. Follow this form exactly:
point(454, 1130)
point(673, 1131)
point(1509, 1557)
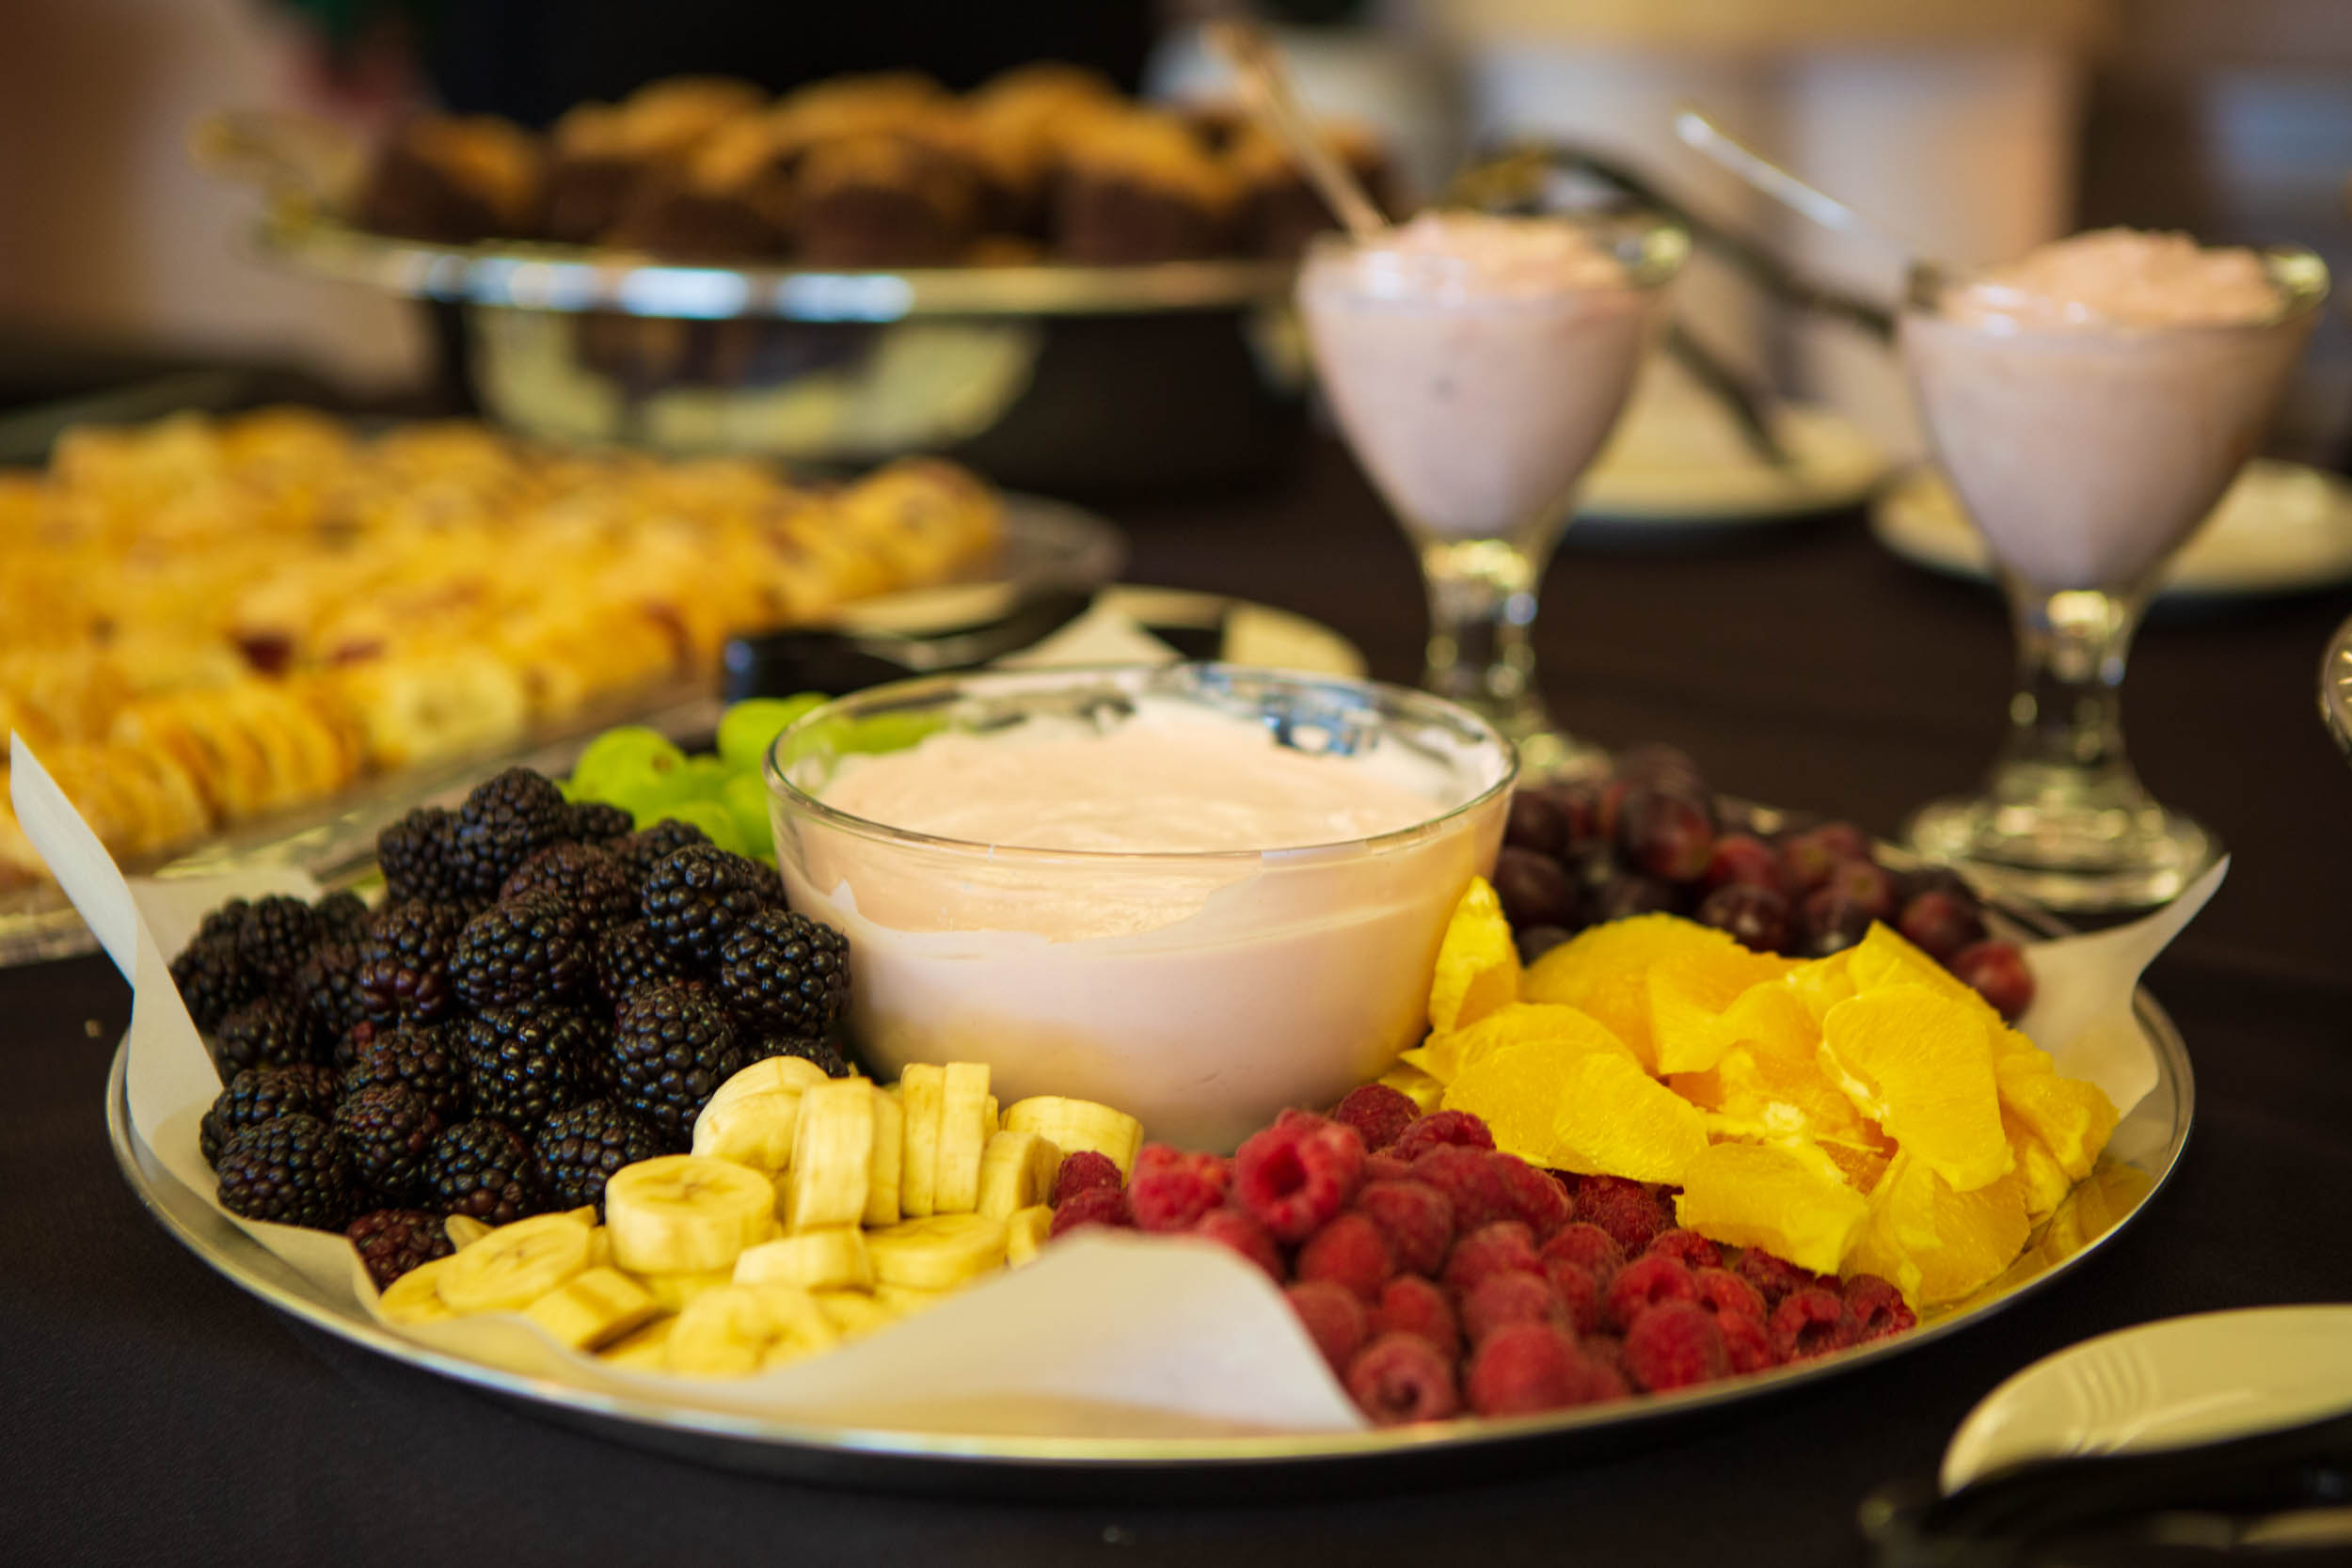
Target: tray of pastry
point(253, 636)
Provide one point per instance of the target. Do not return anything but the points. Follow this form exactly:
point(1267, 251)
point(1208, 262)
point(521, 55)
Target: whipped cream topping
point(2122, 278)
point(1486, 254)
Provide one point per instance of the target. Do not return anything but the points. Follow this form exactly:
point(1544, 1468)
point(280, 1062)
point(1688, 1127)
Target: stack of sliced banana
point(812, 1210)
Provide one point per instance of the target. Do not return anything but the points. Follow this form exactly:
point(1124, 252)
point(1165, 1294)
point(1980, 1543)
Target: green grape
point(703, 778)
point(711, 817)
point(746, 799)
point(622, 760)
point(750, 726)
point(892, 732)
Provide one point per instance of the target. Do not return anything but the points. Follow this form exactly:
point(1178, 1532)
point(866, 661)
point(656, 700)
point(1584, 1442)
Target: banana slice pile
point(813, 1210)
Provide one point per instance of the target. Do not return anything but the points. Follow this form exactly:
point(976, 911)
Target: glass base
point(2085, 861)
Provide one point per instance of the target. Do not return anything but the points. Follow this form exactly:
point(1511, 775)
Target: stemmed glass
point(2086, 455)
point(1477, 397)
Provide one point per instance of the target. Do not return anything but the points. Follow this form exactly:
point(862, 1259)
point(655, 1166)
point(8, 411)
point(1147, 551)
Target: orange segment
point(1884, 958)
point(1615, 1119)
point(1478, 966)
point(1605, 970)
point(1693, 996)
point(1751, 1195)
point(1415, 1085)
point(1933, 1243)
point(2044, 1181)
point(1922, 1066)
point(2071, 1116)
point(1822, 984)
point(1514, 1022)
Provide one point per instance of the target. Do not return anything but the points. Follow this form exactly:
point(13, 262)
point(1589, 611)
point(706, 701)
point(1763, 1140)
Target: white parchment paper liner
point(1109, 1336)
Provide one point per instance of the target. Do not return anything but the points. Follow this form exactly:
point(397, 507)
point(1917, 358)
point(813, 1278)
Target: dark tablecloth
point(153, 1412)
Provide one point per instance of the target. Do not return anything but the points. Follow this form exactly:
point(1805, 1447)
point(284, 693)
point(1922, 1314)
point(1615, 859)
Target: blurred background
point(1977, 127)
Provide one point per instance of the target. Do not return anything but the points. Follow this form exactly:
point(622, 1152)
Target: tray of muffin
point(1063, 287)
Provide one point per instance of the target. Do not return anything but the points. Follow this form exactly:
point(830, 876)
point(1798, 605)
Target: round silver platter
point(2141, 1156)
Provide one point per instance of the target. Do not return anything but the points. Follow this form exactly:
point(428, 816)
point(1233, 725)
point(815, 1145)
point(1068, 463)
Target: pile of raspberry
point(1439, 1276)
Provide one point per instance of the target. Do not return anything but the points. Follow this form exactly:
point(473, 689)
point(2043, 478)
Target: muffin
point(1281, 210)
point(602, 153)
point(886, 200)
point(455, 180)
point(1139, 187)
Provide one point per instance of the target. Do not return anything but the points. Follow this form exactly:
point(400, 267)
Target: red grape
point(1532, 889)
point(1743, 858)
point(1667, 834)
point(1808, 858)
point(1757, 917)
point(1631, 893)
point(1536, 940)
point(1867, 884)
point(1831, 922)
point(1996, 971)
point(1942, 923)
point(1535, 823)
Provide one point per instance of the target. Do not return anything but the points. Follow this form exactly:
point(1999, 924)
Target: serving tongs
point(2276, 1494)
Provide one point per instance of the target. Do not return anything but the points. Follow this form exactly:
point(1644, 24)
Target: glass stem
point(1481, 601)
point(2065, 744)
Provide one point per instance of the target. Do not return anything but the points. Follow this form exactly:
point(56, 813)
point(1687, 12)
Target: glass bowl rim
point(2300, 274)
point(1661, 245)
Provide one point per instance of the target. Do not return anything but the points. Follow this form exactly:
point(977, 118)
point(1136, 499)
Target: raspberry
point(1502, 1299)
point(1378, 1113)
point(1685, 1247)
point(1403, 1377)
point(1628, 1211)
point(1082, 1170)
point(1728, 1295)
point(1747, 1342)
point(1415, 1217)
point(1381, 1166)
point(1645, 1285)
point(1349, 1252)
point(1440, 1130)
point(1579, 1293)
point(1536, 1199)
point(1294, 1175)
point(1230, 1227)
point(1773, 1277)
point(1525, 1367)
point(1335, 1320)
point(1095, 1206)
point(1606, 1352)
point(1675, 1346)
point(1589, 1247)
point(1501, 1247)
point(1171, 1189)
point(1811, 1322)
point(1876, 1308)
point(1410, 1305)
point(1469, 1182)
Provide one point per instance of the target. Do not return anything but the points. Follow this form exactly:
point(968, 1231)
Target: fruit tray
point(939, 1452)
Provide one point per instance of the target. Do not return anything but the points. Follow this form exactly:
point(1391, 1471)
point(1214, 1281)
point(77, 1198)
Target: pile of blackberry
point(542, 997)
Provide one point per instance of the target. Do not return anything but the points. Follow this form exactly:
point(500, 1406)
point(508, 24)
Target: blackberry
point(522, 1064)
point(327, 989)
point(352, 1042)
point(784, 973)
point(596, 822)
point(505, 821)
point(291, 1170)
point(480, 1168)
point(404, 963)
point(393, 1241)
point(214, 981)
point(275, 934)
point(414, 853)
point(342, 917)
point(268, 1031)
point(386, 1130)
point(530, 949)
point(419, 1057)
point(695, 896)
point(259, 1094)
point(578, 1147)
point(637, 852)
point(627, 959)
point(580, 875)
point(812, 1048)
point(672, 1046)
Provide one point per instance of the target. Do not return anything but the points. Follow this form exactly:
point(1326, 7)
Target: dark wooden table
point(153, 1412)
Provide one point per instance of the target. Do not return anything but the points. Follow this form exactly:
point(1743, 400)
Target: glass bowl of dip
point(1197, 893)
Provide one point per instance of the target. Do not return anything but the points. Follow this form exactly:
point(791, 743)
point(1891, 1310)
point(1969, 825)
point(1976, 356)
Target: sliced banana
point(756, 1129)
point(1025, 1233)
point(1016, 1170)
point(672, 1291)
point(515, 1265)
point(830, 1259)
point(586, 1215)
point(853, 1314)
point(882, 1173)
point(770, 1075)
point(905, 1301)
point(415, 1297)
point(685, 1213)
point(740, 1329)
point(938, 1253)
point(996, 1117)
point(463, 1231)
point(1071, 1125)
point(600, 1248)
point(963, 1129)
point(592, 1307)
point(920, 1087)
point(645, 1351)
point(830, 1168)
